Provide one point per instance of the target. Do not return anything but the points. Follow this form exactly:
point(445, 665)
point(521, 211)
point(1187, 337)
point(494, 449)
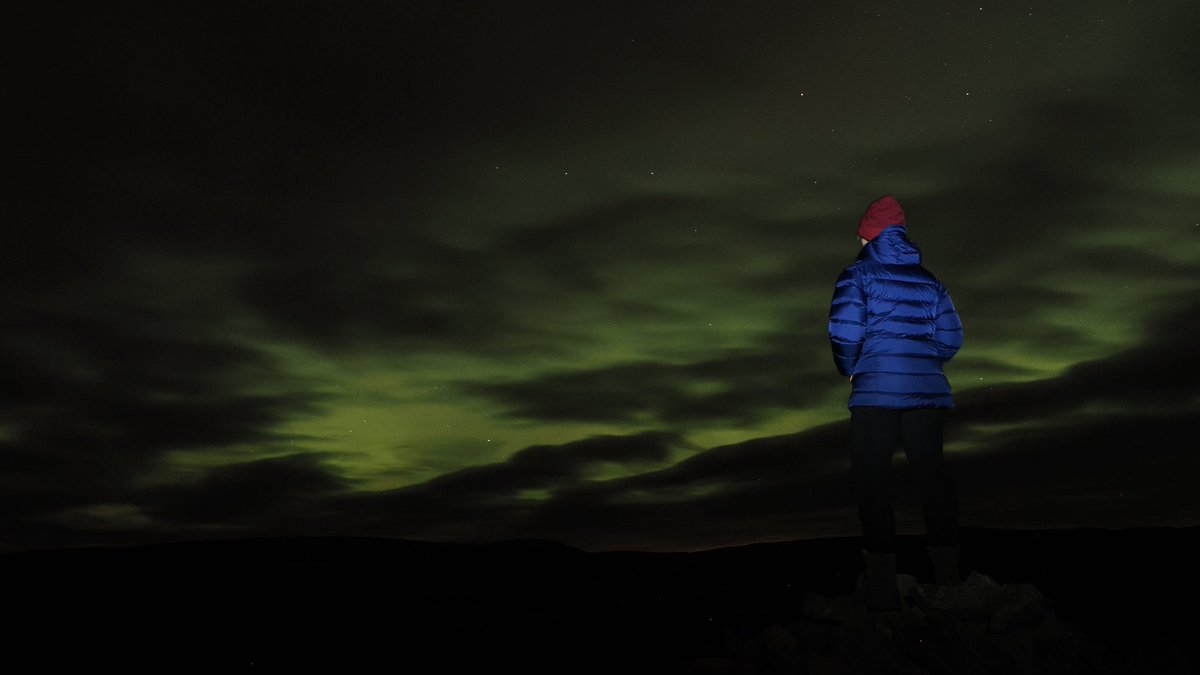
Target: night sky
point(474, 271)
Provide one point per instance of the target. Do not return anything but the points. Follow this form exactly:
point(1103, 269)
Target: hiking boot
point(878, 587)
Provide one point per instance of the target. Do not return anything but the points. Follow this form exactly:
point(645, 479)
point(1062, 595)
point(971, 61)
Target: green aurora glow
point(471, 273)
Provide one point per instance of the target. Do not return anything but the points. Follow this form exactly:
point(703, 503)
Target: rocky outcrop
point(978, 627)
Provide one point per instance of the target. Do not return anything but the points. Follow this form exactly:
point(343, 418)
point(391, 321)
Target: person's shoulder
point(936, 279)
point(854, 270)
point(929, 276)
point(864, 268)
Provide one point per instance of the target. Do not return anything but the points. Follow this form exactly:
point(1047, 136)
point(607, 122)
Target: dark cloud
point(739, 388)
point(550, 466)
point(92, 402)
point(1106, 469)
point(216, 129)
point(1002, 195)
point(1063, 162)
point(433, 296)
point(1137, 265)
point(795, 472)
point(415, 293)
point(496, 495)
point(811, 268)
point(1017, 299)
point(246, 494)
point(987, 367)
point(773, 487)
point(783, 372)
point(1063, 463)
point(201, 188)
point(1150, 376)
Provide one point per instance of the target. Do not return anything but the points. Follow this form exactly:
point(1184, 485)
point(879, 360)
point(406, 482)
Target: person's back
point(892, 326)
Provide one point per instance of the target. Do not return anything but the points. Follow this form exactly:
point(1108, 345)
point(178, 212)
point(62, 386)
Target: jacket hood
point(891, 247)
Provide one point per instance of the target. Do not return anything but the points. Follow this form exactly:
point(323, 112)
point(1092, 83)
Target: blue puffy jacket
point(892, 326)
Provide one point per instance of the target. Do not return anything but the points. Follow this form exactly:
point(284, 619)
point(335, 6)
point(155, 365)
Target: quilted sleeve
point(948, 330)
point(847, 321)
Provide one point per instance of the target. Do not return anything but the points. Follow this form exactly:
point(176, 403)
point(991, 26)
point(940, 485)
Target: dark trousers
point(874, 435)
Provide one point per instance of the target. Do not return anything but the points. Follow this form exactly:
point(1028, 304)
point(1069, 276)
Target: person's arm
point(948, 330)
point(847, 321)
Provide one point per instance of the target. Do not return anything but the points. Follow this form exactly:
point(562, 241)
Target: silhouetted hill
point(359, 604)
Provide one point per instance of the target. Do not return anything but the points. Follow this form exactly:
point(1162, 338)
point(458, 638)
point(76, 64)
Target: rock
point(816, 606)
point(963, 644)
point(869, 647)
point(1049, 630)
point(974, 599)
point(911, 632)
point(813, 637)
point(780, 652)
point(1017, 646)
point(1019, 606)
point(978, 627)
point(741, 650)
point(907, 584)
point(840, 608)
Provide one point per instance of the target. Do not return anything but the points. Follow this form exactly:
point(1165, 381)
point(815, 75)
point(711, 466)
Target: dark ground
point(374, 605)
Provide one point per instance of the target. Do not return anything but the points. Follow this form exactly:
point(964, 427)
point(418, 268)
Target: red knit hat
point(881, 214)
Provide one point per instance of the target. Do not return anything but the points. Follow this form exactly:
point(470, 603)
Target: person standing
point(892, 327)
